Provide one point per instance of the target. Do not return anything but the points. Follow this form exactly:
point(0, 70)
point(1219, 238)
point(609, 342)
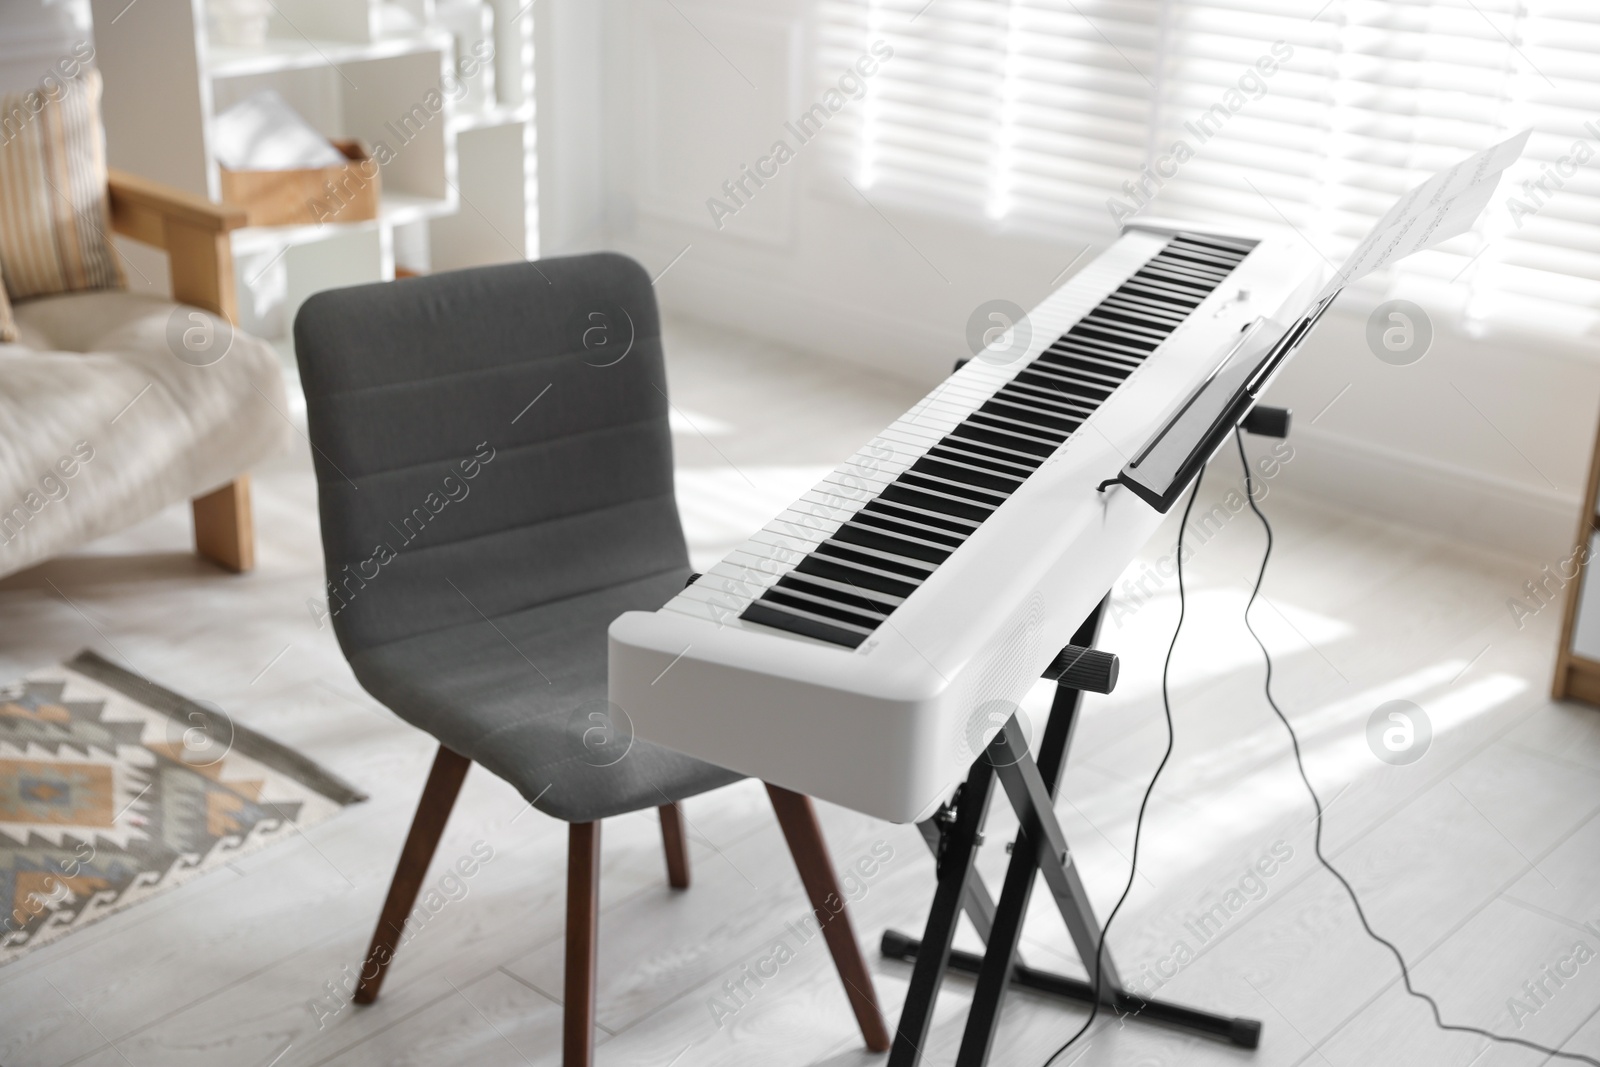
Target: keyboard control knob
point(1087, 669)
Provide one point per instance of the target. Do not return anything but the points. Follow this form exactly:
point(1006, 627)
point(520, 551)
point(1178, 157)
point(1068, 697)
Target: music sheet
point(1442, 207)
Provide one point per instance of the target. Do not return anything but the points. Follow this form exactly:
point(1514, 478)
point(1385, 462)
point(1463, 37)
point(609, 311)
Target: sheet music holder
point(1169, 461)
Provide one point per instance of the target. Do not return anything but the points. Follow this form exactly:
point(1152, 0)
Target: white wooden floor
point(1482, 861)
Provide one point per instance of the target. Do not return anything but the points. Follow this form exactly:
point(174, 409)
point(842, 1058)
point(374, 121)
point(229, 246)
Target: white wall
point(1487, 439)
point(640, 119)
point(34, 34)
point(568, 87)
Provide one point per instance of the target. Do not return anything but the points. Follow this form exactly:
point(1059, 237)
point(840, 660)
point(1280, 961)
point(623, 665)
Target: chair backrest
point(487, 440)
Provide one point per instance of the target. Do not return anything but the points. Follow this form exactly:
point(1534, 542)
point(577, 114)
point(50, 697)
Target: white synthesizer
point(867, 643)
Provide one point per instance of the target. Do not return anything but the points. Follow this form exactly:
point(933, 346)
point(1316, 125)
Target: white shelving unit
point(459, 181)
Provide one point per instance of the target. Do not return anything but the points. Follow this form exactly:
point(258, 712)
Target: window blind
point(1062, 117)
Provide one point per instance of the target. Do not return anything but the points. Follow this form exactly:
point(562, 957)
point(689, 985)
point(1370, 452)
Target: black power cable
point(1405, 972)
point(1138, 826)
point(1166, 704)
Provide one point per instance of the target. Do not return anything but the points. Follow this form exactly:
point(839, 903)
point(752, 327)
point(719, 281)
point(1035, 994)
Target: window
point(1061, 117)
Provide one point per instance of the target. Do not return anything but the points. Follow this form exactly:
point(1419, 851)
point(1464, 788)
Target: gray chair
point(494, 472)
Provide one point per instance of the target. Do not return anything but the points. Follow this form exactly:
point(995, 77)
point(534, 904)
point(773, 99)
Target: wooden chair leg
point(804, 834)
point(676, 844)
point(583, 928)
point(224, 531)
point(433, 811)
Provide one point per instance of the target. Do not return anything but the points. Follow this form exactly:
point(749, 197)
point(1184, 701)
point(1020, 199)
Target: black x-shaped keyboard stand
point(954, 834)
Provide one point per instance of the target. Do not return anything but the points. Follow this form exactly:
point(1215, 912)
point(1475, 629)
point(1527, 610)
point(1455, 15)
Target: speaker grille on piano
point(850, 583)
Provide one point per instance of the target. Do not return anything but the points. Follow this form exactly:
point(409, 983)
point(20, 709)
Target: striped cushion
point(54, 214)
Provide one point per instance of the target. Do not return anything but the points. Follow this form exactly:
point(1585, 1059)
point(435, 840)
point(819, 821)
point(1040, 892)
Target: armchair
point(77, 371)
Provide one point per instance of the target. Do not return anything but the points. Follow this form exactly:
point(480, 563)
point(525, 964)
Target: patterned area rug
point(113, 789)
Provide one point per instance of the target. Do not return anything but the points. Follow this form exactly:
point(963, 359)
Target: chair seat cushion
point(96, 379)
point(524, 694)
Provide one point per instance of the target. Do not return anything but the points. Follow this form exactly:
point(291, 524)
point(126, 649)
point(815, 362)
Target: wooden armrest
point(191, 229)
point(137, 202)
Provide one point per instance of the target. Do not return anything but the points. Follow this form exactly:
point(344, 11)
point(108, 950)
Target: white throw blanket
point(102, 425)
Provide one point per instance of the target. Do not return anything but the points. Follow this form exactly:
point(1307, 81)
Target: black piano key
point(862, 536)
point(1110, 357)
point(936, 499)
point(1201, 258)
point(992, 423)
point(1155, 289)
point(1146, 324)
point(963, 437)
point(1003, 406)
point(1179, 274)
point(1150, 314)
point(852, 581)
point(1070, 390)
point(1027, 446)
point(1128, 298)
point(1173, 284)
point(1114, 339)
point(1216, 262)
point(969, 452)
point(1124, 325)
point(805, 623)
point(1240, 246)
point(952, 487)
point(829, 606)
point(1073, 370)
point(988, 420)
point(895, 524)
point(937, 520)
point(856, 575)
point(945, 466)
point(847, 592)
point(1062, 405)
point(1047, 409)
point(1213, 261)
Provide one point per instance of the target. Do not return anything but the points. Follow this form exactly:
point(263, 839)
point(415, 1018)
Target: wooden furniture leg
point(798, 819)
point(224, 532)
point(1577, 676)
point(433, 811)
point(583, 928)
point(676, 844)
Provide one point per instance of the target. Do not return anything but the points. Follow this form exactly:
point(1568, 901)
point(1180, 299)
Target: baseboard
point(1462, 504)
